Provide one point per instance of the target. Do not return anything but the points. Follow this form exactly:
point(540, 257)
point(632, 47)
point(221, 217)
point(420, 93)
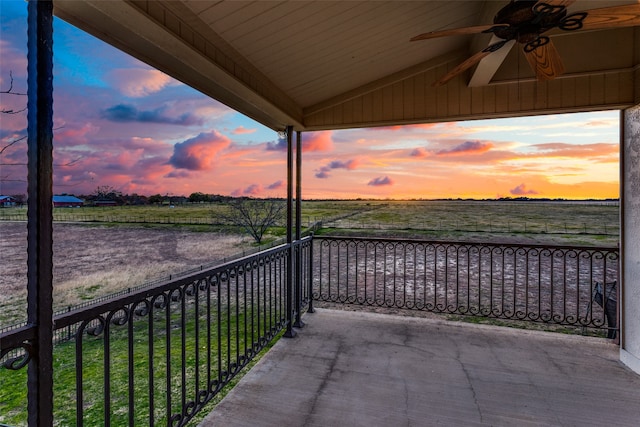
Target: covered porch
point(298, 67)
point(355, 69)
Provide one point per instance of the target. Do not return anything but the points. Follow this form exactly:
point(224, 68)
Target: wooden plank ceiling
point(338, 64)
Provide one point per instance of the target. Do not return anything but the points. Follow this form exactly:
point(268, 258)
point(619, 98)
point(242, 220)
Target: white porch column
point(630, 250)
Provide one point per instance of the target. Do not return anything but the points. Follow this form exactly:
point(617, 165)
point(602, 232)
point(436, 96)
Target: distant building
point(66, 201)
point(7, 201)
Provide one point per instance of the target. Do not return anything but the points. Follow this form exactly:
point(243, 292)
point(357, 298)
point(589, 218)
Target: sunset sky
point(123, 124)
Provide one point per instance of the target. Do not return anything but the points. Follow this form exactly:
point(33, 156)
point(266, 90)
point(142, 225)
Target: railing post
point(298, 321)
point(289, 333)
point(310, 276)
point(40, 211)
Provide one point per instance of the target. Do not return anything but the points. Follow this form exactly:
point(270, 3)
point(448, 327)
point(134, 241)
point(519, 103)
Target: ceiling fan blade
point(456, 31)
point(610, 17)
point(545, 61)
point(468, 63)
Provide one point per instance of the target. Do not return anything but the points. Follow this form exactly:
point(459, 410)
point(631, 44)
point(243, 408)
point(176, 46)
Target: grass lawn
point(230, 341)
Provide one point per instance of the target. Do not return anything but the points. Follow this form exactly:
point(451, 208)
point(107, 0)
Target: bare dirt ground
point(93, 261)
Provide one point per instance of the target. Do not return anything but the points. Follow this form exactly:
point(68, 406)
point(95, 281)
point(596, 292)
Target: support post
point(298, 322)
point(289, 333)
point(40, 211)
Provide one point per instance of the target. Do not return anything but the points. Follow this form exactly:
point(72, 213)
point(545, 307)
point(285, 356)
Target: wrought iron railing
point(553, 284)
point(158, 355)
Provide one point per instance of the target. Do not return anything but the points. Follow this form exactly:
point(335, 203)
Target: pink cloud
point(70, 134)
point(276, 185)
point(200, 152)
point(521, 190)
point(80, 171)
point(323, 172)
point(311, 142)
point(419, 153)
point(349, 164)
point(251, 190)
point(178, 174)
point(467, 147)
point(138, 82)
point(241, 130)
point(380, 181)
point(13, 61)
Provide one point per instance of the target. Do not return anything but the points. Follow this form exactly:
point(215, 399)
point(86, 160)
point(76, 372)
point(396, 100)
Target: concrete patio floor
point(364, 369)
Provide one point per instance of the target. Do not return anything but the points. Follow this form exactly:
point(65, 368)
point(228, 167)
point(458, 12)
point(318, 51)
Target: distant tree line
point(103, 194)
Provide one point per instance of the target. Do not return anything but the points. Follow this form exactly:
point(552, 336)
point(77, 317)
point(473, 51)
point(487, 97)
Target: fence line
point(345, 221)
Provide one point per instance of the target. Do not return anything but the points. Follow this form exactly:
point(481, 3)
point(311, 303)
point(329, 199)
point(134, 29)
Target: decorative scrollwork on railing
point(191, 289)
point(520, 282)
point(93, 327)
point(141, 308)
point(17, 357)
point(118, 317)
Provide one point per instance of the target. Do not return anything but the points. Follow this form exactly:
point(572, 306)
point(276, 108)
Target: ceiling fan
point(526, 21)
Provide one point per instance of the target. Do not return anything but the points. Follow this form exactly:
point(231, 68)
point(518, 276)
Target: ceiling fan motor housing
point(526, 20)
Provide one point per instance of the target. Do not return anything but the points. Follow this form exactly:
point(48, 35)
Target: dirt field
point(92, 261)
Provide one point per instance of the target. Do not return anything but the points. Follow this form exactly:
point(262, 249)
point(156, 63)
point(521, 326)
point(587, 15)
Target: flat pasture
point(544, 222)
point(100, 251)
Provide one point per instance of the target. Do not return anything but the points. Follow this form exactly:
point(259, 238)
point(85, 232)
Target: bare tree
point(254, 216)
point(10, 91)
point(3, 110)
